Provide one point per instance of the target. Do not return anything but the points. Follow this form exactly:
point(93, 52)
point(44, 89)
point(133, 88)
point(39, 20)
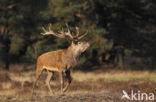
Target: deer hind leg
point(62, 81)
point(38, 74)
point(69, 79)
point(49, 76)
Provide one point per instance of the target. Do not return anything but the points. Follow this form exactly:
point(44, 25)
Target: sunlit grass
point(115, 75)
point(127, 78)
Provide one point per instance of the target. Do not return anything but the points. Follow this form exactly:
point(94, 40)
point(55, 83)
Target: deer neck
point(72, 57)
point(72, 53)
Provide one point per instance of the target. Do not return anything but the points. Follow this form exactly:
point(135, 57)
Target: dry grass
point(95, 86)
point(115, 75)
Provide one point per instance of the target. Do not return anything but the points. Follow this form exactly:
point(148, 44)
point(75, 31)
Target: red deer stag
point(61, 60)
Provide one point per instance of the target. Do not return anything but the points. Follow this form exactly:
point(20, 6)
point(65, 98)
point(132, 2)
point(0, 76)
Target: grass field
point(91, 86)
point(116, 75)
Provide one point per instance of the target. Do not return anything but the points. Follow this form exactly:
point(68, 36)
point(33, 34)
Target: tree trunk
point(7, 65)
point(120, 60)
point(119, 56)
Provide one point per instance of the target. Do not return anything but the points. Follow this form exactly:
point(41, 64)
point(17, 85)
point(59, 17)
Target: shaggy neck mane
point(72, 56)
point(73, 52)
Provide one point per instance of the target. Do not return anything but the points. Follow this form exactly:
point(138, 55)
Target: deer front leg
point(62, 81)
point(69, 78)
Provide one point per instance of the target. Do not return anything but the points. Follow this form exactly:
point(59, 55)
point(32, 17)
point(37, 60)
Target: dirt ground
point(16, 86)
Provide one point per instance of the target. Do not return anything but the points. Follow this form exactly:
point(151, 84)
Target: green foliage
point(111, 23)
point(17, 43)
point(99, 41)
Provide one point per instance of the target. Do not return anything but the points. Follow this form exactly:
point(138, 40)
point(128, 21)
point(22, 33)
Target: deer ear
point(75, 40)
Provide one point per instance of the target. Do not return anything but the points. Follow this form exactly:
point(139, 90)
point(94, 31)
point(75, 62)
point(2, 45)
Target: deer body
point(53, 61)
point(61, 60)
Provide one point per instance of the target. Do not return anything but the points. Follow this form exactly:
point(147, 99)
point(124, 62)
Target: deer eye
point(79, 42)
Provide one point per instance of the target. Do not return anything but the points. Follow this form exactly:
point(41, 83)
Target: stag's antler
point(77, 31)
point(68, 33)
point(61, 34)
point(80, 37)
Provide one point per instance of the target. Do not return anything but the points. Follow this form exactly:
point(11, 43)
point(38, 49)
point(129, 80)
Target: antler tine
point(43, 30)
point(61, 35)
point(83, 35)
point(50, 27)
point(69, 33)
point(61, 31)
point(77, 31)
point(67, 27)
